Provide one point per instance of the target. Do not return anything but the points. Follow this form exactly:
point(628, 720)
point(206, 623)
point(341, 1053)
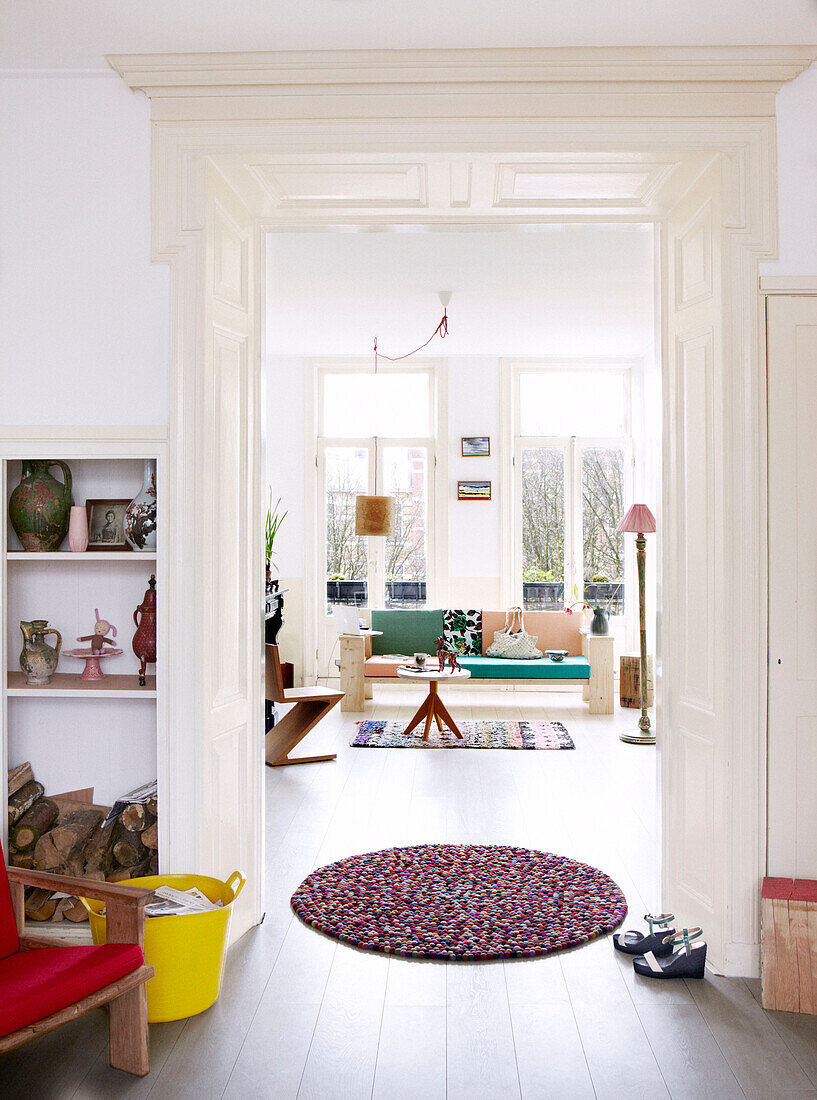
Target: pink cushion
point(382, 666)
point(9, 942)
point(554, 629)
point(36, 984)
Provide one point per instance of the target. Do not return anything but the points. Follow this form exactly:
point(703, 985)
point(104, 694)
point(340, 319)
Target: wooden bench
point(360, 669)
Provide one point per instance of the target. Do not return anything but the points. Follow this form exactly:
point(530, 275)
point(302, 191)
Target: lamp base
point(637, 737)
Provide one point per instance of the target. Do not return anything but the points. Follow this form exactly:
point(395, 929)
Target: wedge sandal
point(689, 962)
point(636, 943)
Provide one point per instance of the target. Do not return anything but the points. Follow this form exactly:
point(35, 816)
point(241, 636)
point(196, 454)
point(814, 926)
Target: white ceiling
point(78, 33)
point(558, 290)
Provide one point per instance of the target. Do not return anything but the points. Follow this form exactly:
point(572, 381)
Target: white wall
point(473, 526)
point(85, 322)
point(83, 312)
point(797, 177)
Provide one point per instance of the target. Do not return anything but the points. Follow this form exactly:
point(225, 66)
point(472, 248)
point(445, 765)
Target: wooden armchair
point(44, 982)
point(310, 705)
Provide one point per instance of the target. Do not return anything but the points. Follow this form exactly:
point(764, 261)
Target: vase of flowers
point(140, 517)
point(600, 622)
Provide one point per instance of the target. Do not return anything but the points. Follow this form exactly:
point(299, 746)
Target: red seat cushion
point(9, 942)
point(35, 984)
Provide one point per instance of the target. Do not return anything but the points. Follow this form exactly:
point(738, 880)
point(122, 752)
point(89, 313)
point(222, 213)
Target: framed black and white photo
point(473, 490)
point(475, 446)
point(106, 524)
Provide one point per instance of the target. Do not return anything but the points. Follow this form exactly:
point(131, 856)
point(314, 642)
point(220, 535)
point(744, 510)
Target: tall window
point(376, 434)
point(572, 473)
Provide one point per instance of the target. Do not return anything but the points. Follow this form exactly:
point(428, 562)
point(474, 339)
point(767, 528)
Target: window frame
point(512, 443)
point(316, 619)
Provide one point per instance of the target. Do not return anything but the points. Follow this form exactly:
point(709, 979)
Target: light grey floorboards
point(301, 1016)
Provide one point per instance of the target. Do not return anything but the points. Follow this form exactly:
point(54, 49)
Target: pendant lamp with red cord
point(375, 515)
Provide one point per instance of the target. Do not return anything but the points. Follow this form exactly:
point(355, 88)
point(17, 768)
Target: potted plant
point(271, 529)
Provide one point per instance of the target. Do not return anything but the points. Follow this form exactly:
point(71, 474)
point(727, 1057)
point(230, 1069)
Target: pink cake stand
point(91, 659)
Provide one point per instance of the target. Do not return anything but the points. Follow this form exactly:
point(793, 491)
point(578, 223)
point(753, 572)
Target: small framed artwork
point(473, 490)
point(475, 446)
point(106, 524)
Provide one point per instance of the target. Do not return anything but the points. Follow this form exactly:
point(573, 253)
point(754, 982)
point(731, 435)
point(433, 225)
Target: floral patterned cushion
point(462, 631)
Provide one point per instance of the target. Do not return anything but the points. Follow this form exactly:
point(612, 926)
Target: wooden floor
point(302, 1016)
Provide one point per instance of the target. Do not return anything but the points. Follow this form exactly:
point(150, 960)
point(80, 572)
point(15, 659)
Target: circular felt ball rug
point(460, 901)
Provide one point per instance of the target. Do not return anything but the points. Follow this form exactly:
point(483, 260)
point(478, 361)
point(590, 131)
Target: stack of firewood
point(70, 837)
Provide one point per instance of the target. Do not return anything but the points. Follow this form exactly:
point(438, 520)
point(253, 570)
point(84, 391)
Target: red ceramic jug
point(144, 640)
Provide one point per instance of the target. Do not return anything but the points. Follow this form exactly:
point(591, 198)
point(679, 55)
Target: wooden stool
point(788, 945)
point(310, 705)
point(629, 682)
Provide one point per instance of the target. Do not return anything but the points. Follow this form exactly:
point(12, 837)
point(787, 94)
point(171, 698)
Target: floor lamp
point(640, 521)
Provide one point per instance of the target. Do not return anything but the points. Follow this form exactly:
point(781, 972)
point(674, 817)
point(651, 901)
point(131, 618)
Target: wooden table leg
point(433, 700)
point(421, 713)
point(446, 717)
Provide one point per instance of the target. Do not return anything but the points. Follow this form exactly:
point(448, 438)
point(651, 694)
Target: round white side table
point(432, 709)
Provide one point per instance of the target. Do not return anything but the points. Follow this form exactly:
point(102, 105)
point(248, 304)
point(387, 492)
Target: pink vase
point(78, 530)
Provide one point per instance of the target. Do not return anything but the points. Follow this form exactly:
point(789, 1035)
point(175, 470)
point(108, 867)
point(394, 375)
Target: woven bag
point(513, 642)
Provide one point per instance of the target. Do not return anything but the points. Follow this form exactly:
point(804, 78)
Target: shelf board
point(89, 555)
point(60, 930)
point(63, 685)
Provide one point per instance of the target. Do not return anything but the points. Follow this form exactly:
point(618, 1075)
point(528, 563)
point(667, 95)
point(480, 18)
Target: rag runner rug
point(461, 902)
point(475, 735)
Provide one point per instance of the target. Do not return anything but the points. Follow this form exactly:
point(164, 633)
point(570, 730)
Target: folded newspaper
point(170, 902)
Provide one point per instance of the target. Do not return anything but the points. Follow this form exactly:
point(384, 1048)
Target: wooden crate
point(629, 681)
point(788, 945)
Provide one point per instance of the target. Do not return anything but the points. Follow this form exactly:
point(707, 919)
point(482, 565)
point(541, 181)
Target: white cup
point(420, 660)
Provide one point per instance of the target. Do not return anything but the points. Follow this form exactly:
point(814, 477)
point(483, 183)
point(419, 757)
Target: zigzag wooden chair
point(311, 704)
point(44, 982)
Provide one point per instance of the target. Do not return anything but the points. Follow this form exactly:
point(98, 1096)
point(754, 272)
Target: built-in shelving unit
point(77, 733)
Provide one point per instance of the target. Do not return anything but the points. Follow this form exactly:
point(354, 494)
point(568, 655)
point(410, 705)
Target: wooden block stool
point(629, 682)
point(788, 945)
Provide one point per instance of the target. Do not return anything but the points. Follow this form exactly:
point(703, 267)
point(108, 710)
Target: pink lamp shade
point(639, 520)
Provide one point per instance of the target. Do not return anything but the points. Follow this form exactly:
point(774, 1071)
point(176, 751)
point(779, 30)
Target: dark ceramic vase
point(40, 507)
point(601, 622)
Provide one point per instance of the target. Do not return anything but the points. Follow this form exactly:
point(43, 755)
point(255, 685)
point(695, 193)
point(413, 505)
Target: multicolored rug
point(475, 735)
point(460, 901)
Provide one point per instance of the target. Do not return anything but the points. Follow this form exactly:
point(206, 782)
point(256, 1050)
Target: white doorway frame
point(221, 121)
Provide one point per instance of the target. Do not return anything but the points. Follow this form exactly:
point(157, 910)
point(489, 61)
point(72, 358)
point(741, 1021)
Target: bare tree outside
point(543, 514)
point(405, 477)
point(602, 508)
point(345, 551)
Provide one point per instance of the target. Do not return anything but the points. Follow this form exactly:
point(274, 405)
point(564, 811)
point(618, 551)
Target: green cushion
point(409, 631)
point(498, 668)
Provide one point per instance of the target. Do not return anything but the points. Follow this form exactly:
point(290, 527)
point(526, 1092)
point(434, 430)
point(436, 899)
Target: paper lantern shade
point(639, 521)
point(375, 515)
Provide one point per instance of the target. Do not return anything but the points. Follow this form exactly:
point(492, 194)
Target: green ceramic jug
point(38, 659)
point(40, 507)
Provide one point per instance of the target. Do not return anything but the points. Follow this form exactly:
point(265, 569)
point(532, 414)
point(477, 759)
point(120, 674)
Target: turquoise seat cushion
point(497, 668)
point(406, 632)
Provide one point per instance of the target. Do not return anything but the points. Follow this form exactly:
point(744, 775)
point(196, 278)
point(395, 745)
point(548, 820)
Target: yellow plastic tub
point(187, 952)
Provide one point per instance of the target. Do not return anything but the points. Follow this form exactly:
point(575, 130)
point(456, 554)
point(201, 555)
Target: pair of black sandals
point(655, 954)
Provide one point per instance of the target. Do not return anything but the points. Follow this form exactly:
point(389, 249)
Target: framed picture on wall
point(106, 524)
point(473, 490)
point(475, 446)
